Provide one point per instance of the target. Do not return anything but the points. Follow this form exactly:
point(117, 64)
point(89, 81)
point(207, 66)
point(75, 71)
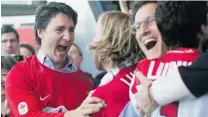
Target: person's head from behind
point(146, 31)
point(26, 50)
point(9, 40)
point(204, 31)
point(6, 64)
point(76, 54)
point(203, 36)
point(113, 42)
point(180, 22)
point(54, 29)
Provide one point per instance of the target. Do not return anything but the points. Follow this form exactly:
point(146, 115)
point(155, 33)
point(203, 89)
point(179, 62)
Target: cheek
point(50, 41)
point(96, 60)
point(75, 57)
point(15, 45)
point(140, 44)
point(155, 31)
point(160, 41)
point(72, 36)
point(29, 53)
point(3, 45)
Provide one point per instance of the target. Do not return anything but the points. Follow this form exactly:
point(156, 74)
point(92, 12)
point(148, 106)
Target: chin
point(60, 59)
point(154, 56)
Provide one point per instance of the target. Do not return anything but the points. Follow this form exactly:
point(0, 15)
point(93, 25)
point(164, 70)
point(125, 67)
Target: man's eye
point(13, 40)
point(59, 30)
point(3, 41)
point(71, 30)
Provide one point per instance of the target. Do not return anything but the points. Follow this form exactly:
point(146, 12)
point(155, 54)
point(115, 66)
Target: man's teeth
point(149, 40)
point(61, 48)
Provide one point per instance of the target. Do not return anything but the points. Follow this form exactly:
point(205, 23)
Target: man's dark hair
point(180, 22)
point(29, 47)
point(7, 62)
point(44, 13)
point(137, 5)
point(8, 29)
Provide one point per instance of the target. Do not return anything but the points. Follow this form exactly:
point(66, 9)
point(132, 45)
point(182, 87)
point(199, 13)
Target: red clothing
point(33, 90)
point(115, 93)
point(156, 68)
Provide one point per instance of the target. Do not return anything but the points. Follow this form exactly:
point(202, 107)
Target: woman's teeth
point(150, 43)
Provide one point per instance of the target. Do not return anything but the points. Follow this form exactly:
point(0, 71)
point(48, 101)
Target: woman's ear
point(40, 33)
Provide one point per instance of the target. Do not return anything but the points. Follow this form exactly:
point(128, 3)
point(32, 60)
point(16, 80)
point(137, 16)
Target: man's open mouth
point(62, 48)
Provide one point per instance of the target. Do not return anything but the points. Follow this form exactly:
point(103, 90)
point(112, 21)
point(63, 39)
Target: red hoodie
point(33, 90)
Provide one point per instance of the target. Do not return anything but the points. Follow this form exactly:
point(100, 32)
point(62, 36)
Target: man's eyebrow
point(60, 26)
point(63, 27)
point(72, 27)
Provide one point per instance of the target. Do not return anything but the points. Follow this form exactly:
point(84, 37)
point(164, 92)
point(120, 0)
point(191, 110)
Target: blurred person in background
point(9, 41)
point(26, 50)
point(6, 64)
point(48, 83)
point(116, 51)
point(75, 53)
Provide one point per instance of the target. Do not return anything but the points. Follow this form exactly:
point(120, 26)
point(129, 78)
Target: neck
point(108, 67)
point(58, 66)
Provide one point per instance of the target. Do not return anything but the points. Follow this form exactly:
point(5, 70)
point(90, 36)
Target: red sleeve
point(22, 100)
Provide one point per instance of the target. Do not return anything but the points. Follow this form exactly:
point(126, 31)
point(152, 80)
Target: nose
point(143, 29)
point(68, 36)
point(8, 43)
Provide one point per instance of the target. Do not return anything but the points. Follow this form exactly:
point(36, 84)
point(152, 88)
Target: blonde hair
point(117, 43)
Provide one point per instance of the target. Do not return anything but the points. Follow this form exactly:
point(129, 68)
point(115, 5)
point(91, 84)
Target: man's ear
point(82, 58)
point(40, 33)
